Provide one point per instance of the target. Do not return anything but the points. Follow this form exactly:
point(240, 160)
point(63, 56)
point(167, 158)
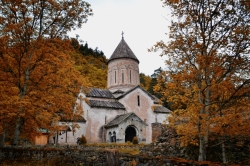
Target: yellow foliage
point(35, 64)
point(207, 76)
point(50, 89)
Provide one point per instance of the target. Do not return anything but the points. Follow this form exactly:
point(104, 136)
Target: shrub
point(135, 140)
point(82, 140)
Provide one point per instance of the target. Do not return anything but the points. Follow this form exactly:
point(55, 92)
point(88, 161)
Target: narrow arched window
point(122, 76)
point(130, 76)
point(115, 77)
point(138, 100)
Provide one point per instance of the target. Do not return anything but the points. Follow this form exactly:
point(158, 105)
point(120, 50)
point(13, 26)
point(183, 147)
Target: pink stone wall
point(124, 65)
point(95, 121)
point(144, 111)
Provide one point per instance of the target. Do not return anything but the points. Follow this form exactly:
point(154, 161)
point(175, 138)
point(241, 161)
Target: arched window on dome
point(130, 76)
point(122, 76)
point(115, 77)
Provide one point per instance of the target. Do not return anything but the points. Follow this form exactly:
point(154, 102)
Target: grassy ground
point(124, 148)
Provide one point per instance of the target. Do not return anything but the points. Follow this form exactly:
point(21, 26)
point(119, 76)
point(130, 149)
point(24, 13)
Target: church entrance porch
point(125, 127)
point(130, 133)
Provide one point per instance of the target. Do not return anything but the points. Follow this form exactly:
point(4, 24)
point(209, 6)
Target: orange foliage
point(38, 80)
point(208, 70)
point(49, 92)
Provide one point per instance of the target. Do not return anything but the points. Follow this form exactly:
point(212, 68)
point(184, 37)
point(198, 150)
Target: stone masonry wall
point(156, 131)
point(167, 143)
point(84, 156)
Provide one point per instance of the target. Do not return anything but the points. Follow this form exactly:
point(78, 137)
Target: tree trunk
point(57, 138)
point(202, 152)
point(20, 120)
point(203, 139)
point(2, 138)
point(224, 158)
point(17, 132)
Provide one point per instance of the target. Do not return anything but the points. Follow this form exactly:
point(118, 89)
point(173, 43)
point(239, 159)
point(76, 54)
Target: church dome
point(123, 51)
point(123, 68)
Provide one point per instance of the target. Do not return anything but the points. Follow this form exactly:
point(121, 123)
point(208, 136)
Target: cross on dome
point(122, 34)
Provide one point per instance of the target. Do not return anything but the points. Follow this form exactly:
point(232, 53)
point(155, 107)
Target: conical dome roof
point(123, 51)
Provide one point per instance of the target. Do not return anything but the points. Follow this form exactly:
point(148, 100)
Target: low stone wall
point(86, 156)
point(166, 144)
point(165, 151)
point(156, 131)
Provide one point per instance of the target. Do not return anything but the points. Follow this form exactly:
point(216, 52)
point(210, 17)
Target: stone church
point(118, 113)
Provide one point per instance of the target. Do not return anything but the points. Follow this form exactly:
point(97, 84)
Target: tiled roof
point(106, 104)
point(161, 109)
point(123, 51)
point(120, 118)
point(100, 93)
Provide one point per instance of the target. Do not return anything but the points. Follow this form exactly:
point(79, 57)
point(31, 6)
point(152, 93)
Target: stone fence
point(85, 156)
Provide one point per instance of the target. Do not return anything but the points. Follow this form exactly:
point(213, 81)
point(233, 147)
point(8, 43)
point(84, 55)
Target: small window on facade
point(138, 100)
point(130, 76)
point(122, 76)
point(115, 77)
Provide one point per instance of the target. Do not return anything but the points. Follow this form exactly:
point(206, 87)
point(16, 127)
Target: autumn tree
point(94, 70)
point(145, 81)
point(158, 79)
point(38, 80)
point(208, 70)
point(154, 77)
point(91, 64)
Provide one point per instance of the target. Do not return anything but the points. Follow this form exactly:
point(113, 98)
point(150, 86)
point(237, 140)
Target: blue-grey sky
point(144, 22)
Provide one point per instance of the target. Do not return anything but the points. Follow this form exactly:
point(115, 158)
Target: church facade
point(119, 113)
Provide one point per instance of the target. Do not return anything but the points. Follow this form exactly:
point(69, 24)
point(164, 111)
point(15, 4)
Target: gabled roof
point(120, 118)
point(123, 51)
point(106, 104)
point(100, 93)
point(155, 99)
point(161, 109)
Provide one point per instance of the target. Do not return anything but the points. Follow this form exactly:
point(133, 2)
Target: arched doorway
point(130, 133)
